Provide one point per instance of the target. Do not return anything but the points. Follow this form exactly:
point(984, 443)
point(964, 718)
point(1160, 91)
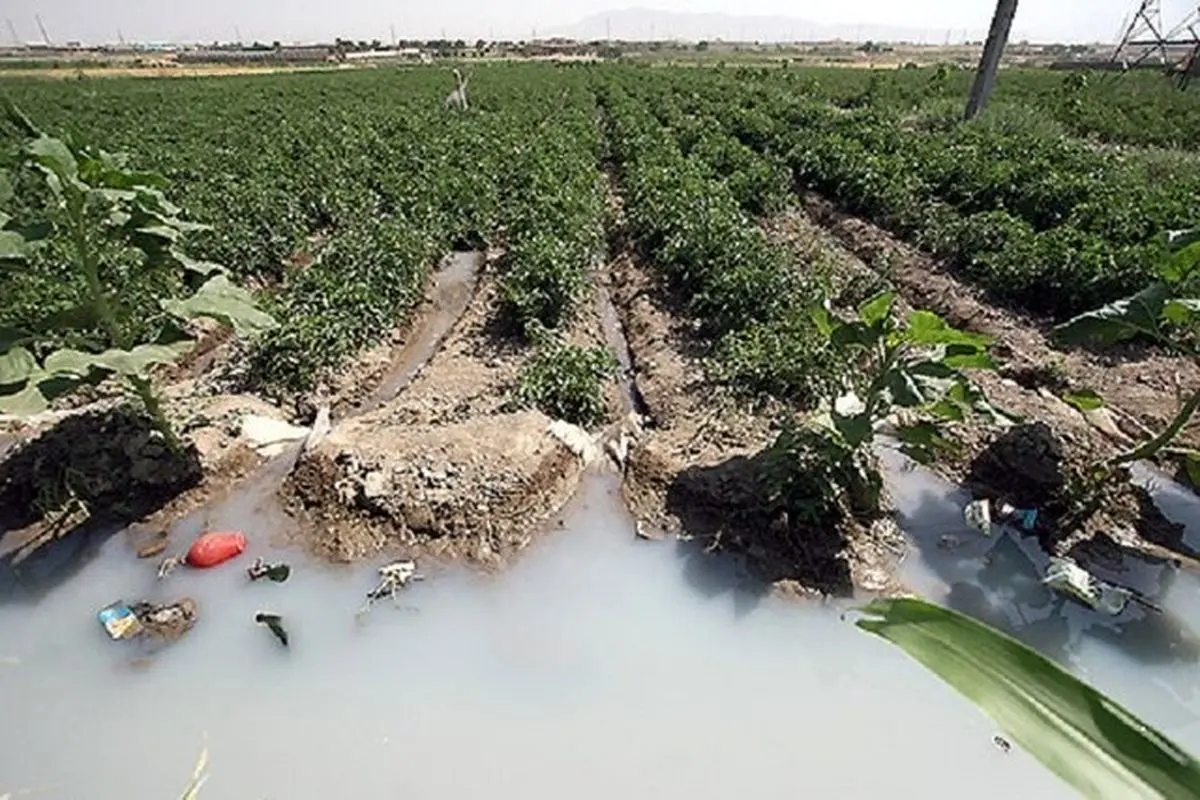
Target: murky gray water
point(1147, 661)
point(600, 666)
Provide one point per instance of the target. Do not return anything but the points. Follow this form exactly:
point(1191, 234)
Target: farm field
point(701, 215)
point(785, 314)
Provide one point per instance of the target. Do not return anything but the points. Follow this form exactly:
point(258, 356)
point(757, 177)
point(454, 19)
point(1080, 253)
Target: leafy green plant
point(107, 222)
point(1084, 737)
point(1166, 312)
point(914, 368)
point(566, 381)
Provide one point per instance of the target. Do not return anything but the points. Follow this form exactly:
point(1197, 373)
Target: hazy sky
point(95, 21)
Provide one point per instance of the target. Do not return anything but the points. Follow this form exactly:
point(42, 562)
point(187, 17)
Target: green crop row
point(751, 304)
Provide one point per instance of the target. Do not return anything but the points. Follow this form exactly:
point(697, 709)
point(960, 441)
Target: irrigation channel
point(599, 665)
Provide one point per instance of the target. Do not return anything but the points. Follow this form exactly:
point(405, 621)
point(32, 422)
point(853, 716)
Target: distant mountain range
point(642, 24)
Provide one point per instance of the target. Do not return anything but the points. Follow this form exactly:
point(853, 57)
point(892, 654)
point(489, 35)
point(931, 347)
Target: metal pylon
point(1145, 28)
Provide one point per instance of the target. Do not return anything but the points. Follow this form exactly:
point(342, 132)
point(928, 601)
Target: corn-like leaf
point(1088, 740)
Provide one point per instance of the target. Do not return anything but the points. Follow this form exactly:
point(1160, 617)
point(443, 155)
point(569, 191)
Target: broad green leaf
point(948, 410)
point(13, 246)
point(135, 362)
point(205, 268)
point(925, 327)
point(1179, 240)
point(11, 337)
point(1119, 321)
point(25, 403)
point(54, 155)
point(1182, 263)
point(825, 321)
point(1085, 400)
point(1181, 312)
point(854, 430)
point(221, 300)
point(922, 441)
point(18, 118)
point(967, 356)
point(17, 365)
point(4, 219)
point(877, 308)
point(1088, 740)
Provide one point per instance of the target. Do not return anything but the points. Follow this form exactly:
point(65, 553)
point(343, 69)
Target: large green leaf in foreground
point(1087, 739)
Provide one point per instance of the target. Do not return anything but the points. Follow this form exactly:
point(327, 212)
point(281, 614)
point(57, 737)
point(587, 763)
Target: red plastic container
point(212, 549)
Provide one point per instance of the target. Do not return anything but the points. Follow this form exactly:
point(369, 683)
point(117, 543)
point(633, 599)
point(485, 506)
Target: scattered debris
point(165, 620)
point(1064, 575)
point(575, 439)
point(949, 541)
point(277, 573)
point(1004, 745)
point(271, 437)
point(168, 565)
point(321, 428)
point(275, 623)
point(978, 515)
point(119, 621)
point(212, 549)
point(392, 578)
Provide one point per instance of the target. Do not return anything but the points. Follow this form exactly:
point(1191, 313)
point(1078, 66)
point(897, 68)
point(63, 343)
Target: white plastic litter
point(270, 437)
point(320, 429)
point(978, 514)
point(575, 439)
point(1064, 575)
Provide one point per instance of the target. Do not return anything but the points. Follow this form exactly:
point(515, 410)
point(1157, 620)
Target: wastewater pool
point(598, 666)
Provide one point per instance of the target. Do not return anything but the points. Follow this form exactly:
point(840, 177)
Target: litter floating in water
point(212, 549)
point(166, 620)
point(275, 623)
point(274, 572)
point(1064, 575)
point(168, 565)
point(392, 578)
point(119, 621)
point(978, 515)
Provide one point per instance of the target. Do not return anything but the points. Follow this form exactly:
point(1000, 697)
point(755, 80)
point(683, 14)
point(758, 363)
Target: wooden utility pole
point(985, 78)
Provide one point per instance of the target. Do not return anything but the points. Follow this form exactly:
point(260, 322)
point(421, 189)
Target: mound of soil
point(473, 491)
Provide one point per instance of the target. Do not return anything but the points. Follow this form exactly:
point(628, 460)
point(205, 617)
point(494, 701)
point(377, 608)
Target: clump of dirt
point(1080, 514)
point(698, 472)
point(473, 491)
point(92, 469)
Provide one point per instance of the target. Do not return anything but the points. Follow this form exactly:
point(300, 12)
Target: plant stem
point(1151, 448)
point(86, 260)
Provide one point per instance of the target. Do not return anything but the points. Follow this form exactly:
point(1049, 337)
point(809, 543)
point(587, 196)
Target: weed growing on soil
point(110, 240)
point(827, 461)
point(566, 381)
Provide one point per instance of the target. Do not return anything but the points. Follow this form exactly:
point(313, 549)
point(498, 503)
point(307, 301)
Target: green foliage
point(915, 368)
point(114, 241)
point(1084, 737)
point(566, 381)
point(1167, 312)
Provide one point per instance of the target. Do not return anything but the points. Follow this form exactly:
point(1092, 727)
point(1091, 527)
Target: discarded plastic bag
point(979, 515)
point(260, 569)
point(212, 549)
